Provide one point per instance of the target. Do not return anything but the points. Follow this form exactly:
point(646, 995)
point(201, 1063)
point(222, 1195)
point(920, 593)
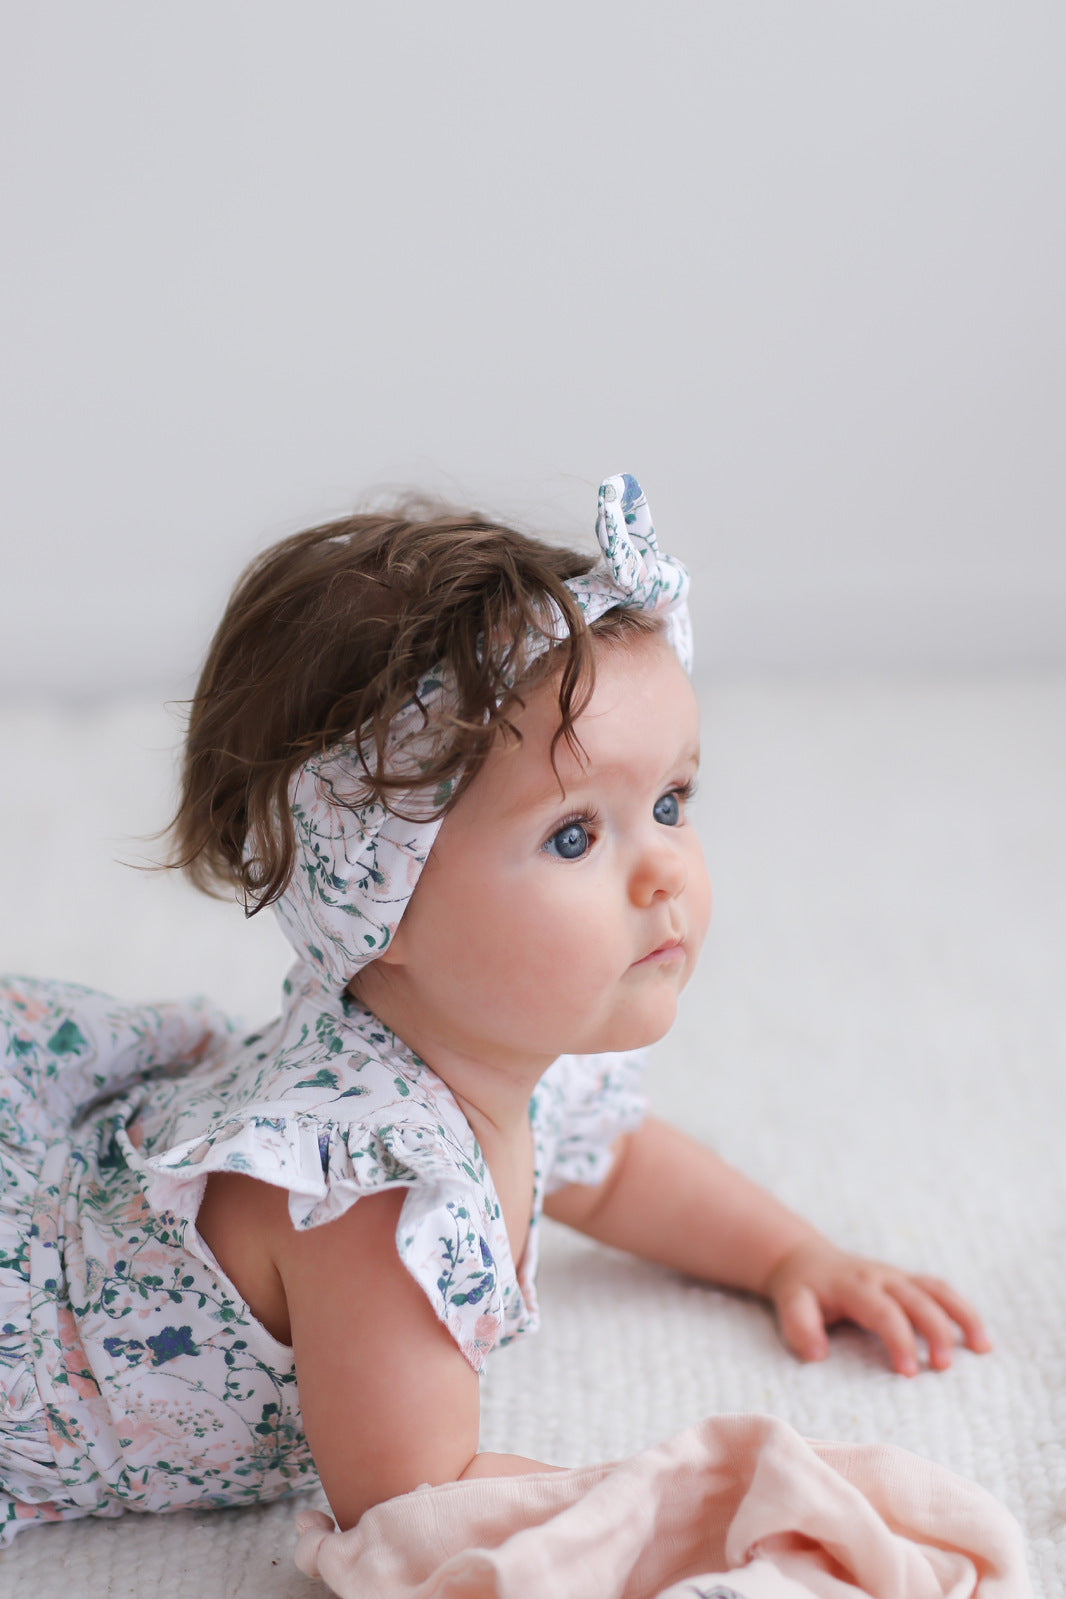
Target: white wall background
point(798, 266)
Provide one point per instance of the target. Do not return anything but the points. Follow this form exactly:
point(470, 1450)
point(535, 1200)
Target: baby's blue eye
point(569, 843)
point(667, 810)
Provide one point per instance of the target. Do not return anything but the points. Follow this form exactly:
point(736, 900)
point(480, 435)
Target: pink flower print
point(130, 1212)
point(152, 1432)
point(75, 1363)
point(37, 1512)
point(486, 1331)
point(165, 1425)
point(32, 1009)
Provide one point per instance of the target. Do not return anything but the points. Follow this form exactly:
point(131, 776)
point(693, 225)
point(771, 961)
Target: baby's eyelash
point(587, 819)
point(686, 790)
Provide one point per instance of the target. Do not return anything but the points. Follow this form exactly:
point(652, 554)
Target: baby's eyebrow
point(545, 798)
point(550, 795)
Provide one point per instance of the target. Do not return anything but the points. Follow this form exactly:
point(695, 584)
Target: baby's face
point(545, 925)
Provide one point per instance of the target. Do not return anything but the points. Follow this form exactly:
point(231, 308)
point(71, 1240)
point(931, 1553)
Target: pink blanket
point(740, 1507)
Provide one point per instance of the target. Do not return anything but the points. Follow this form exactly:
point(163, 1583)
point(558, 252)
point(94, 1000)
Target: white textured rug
point(877, 1031)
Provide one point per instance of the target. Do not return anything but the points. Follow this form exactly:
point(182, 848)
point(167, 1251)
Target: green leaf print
point(67, 1039)
point(323, 1078)
point(327, 1034)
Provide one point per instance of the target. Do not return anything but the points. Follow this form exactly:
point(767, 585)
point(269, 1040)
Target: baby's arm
point(671, 1200)
point(387, 1399)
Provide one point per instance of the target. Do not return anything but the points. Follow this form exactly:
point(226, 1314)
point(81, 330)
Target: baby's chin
point(637, 1032)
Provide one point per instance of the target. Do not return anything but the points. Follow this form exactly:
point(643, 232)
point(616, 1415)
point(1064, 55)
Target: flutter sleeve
point(334, 1110)
point(583, 1104)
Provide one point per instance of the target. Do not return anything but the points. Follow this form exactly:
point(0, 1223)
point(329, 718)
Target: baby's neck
point(491, 1087)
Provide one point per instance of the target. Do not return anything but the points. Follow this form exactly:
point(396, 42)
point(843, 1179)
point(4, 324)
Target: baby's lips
point(663, 949)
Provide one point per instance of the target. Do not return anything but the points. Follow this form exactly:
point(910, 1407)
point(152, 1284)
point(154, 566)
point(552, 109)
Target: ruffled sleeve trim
point(410, 1133)
point(446, 1236)
point(330, 1106)
point(587, 1102)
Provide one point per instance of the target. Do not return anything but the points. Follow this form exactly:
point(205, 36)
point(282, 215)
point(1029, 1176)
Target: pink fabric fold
point(739, 1507)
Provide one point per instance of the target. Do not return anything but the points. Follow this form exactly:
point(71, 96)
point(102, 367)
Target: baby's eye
point(569, 843)
point(667, 809)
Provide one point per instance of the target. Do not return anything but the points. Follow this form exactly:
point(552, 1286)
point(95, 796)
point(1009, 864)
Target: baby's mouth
point(672, 949)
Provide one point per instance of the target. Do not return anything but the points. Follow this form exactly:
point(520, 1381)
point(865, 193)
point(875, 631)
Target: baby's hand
point(816, 1284)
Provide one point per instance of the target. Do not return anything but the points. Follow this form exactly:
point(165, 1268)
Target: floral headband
point(357, 864)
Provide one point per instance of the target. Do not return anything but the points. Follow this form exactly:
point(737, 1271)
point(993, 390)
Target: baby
point(458, 762)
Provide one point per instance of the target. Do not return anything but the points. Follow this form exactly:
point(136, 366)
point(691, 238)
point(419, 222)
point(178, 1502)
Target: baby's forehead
point(636, 771)
point(622, 740)
point(531, 777)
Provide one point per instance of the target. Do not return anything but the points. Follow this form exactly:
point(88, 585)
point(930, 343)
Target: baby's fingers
point(960, 1311)
point(882, 1315)
point(935, 1326)
point(802, 1325)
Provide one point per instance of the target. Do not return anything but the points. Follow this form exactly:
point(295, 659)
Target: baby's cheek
point(567, 969)
point(699, 889)
point(570, 960)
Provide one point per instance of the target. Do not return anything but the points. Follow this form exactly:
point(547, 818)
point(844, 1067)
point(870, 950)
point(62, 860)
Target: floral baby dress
point(132, 1375)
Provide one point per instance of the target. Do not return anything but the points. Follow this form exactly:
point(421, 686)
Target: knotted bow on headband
point(357, 865)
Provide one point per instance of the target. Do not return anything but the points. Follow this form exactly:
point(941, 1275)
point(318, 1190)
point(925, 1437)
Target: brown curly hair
point(329, 633)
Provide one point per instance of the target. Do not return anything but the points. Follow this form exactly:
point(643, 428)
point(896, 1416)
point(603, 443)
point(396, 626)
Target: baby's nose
point(660, 872)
